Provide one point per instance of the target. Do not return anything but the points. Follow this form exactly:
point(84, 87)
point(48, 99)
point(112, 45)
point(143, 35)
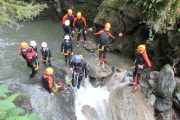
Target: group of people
point(76, 62)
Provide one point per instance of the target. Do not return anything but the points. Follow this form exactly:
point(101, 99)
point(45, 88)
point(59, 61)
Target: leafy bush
point(12, 11)
point(8, 110)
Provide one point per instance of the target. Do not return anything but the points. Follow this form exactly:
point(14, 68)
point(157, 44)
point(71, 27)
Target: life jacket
point(80, 23)
point(31, 54)
point(68, 45)
point(104, 37)
point(47, 81)
point(141, 59)
point(67, 30)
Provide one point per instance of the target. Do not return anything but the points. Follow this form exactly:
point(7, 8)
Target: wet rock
point(163, 105)
point(166, 82)
point(125, 105)
point(89, 112)
point(154, 75)
point(96, 71)
point(91, 47)
point(152, 100)
point(153, 83)
point(176, 99)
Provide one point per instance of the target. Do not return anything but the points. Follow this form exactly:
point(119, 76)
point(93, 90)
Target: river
point(14, 71)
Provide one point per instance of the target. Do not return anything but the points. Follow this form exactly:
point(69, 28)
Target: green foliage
point(12, 11)
point(159, 13)
point(8, 110)
point(3, 90)
point(89, 8)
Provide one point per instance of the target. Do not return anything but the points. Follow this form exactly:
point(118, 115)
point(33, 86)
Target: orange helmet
point(141, 48)
point(108, 25)
point(49, 71)
point(79, 15)
point(24, 45)
point(69, 11)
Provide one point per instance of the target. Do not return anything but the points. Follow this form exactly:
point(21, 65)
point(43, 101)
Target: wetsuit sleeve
point(74, 22)
point(111, 35)
point(84, 21)
point(62, 47)
point(99, 32)
point(145, 56)
point(64, 19)
point(71, 47)
point(50, 53)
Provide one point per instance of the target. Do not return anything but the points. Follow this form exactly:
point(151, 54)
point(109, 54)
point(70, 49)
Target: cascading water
point(93, 97)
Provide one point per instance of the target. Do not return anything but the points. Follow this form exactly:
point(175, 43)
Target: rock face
point(176, 99)
point(166, 82)
point(125, 105)
point(165, 88)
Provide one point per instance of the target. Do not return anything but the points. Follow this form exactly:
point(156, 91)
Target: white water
point(93, 97)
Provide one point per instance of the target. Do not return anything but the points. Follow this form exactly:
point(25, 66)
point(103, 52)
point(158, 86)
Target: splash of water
point(93, 97)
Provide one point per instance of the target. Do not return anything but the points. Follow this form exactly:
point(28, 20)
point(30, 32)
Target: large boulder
point(96, 71)
point(176, 99)
point(126, 105)
point(166, 83)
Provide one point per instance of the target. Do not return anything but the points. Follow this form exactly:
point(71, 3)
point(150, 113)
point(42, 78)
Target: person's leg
point(50, 62)
point(65, 56)
point(33, 72)
point(78, 38)
point(79, 81)
point(135, 75)
point(84, 37)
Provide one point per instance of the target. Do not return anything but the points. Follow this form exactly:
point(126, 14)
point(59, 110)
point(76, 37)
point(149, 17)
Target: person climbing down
point(141, 58)
point(32, 60)
point(67, 49)
point(48, 80)
point(49, 83)
point(80, 24)
point(67, 22)
point(104, 42)
point(46, 54)
point(79, 68)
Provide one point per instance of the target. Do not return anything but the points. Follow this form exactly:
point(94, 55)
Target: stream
point(61, 106)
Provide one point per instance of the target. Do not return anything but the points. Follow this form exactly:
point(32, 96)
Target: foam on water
point(93, 97)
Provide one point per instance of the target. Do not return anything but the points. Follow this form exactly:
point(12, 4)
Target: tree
point(12, 11)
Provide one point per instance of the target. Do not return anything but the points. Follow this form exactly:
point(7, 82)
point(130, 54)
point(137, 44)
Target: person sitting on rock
point(48, 80)
point(104, 41)
point(46, 54)
point(67, 21)
point(80, 24)
point(79, 68)
point(67, 49)
point(141, 58)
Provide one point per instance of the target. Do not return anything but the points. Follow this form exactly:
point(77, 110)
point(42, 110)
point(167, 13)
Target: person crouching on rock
point(48, 80)
point(141, 58)
point(46, 54)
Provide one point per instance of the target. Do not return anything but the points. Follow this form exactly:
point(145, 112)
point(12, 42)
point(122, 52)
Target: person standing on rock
point(67, 49)
point(141, 58)
point(67, 21)
point(79, 68)
point(46, 54)
point(104, 41)
point(32, 59)
point(30, 56)
point(80, 24)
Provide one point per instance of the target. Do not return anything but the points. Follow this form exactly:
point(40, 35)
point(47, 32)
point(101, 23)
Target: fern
point(3, 90)
point(12, 97)
point(6, 105)
point(18, 118)
point(14, 112)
